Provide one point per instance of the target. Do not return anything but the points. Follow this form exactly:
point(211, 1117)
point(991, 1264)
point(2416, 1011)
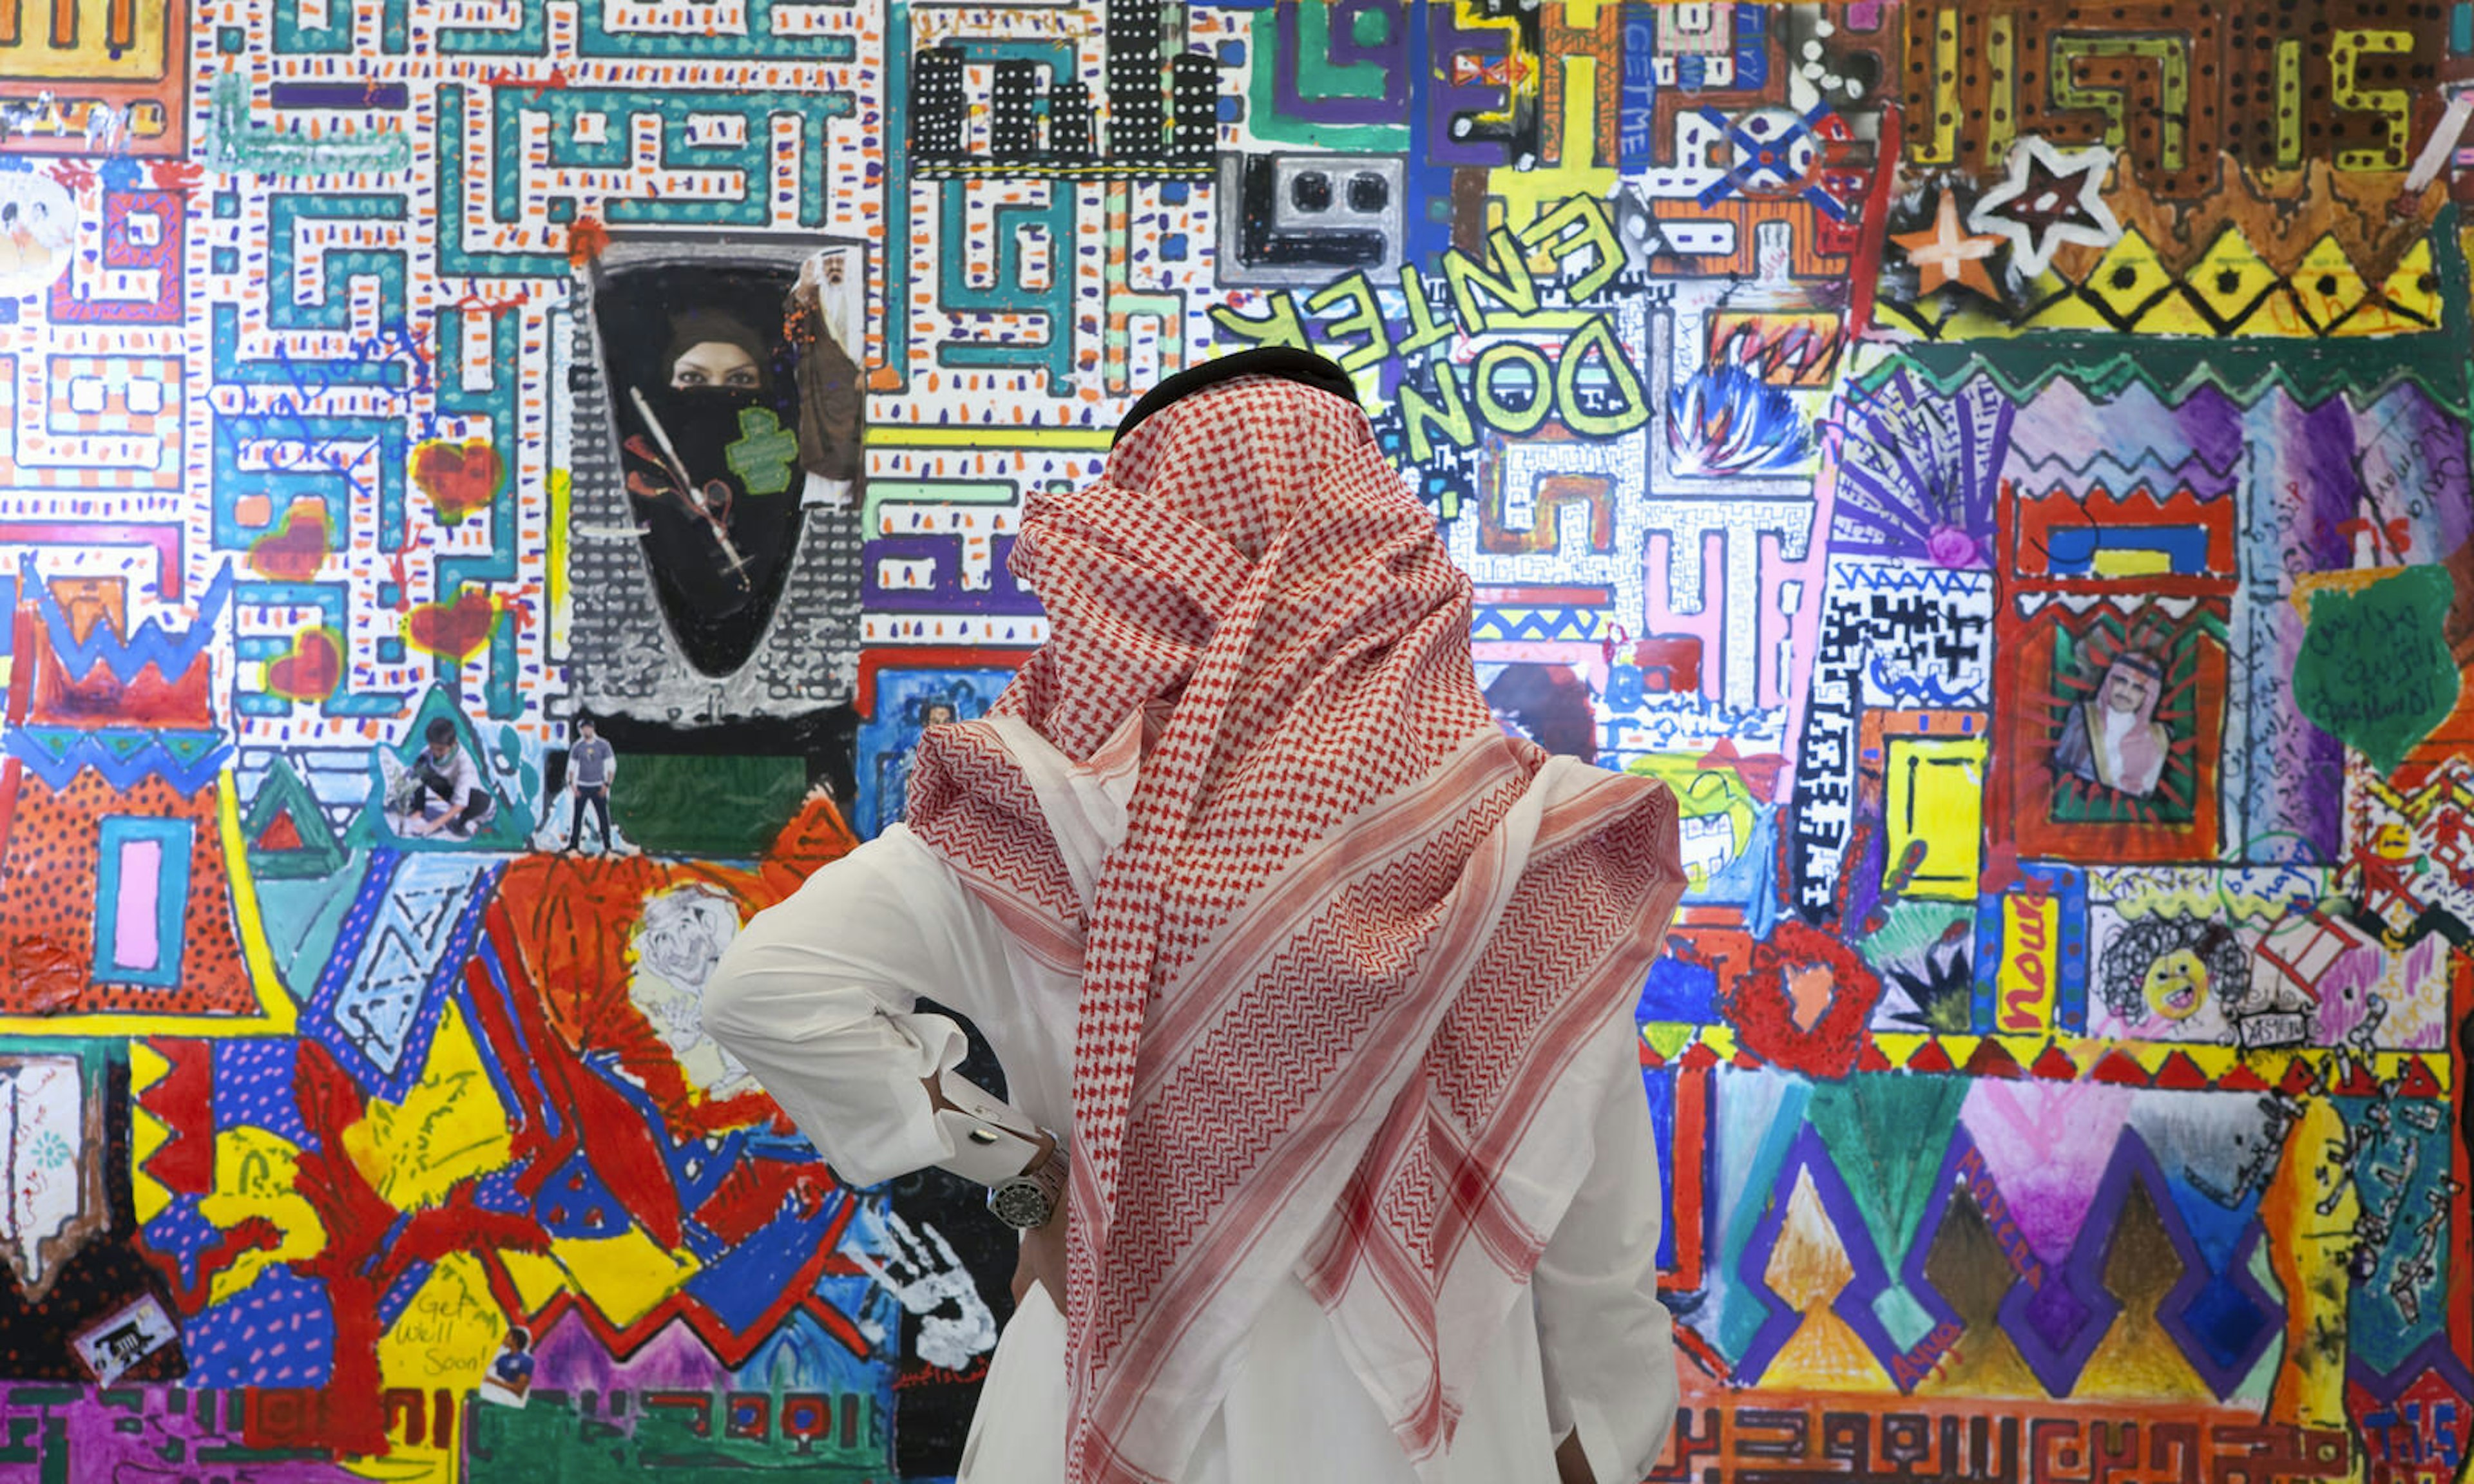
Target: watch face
point(1020, 1203)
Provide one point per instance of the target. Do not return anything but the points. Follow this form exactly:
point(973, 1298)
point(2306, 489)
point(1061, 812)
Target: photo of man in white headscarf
point(2113, 740)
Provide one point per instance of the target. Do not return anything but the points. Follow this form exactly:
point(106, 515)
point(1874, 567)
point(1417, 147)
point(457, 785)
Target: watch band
point(1030, 1198)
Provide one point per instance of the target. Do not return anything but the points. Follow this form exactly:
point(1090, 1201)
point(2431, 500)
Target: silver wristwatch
point(1029, 1199)
point(992, 1143)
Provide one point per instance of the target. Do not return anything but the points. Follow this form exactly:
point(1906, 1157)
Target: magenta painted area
point(131, 1436)
point(572, 1359)
point(2047, 1146)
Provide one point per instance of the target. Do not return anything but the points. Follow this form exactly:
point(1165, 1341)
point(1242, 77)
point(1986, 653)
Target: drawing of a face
point(708, 393)
point(2176, 985)
point(716, 363)
point(681, 937)
point(2129, 688)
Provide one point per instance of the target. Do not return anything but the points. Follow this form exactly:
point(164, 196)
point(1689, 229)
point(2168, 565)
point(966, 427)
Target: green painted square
point(391, 650)
point(726, 808)
point(226, 260)
point(390, 596)
point(227, 204)
point(232, 40)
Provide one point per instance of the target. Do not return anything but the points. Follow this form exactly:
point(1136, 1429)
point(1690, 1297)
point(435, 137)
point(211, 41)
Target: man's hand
point(1571, 1465)
point(1042, 1262)
point(924, 1276)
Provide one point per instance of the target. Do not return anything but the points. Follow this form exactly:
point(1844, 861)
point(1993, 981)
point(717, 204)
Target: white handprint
point(956, 1325)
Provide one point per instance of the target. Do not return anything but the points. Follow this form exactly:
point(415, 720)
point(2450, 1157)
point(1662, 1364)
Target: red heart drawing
point(459, 478)
point(313, 670)
point(454, 630)
point(295, 553)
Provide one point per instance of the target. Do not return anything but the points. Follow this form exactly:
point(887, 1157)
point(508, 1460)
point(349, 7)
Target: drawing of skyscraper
point(1069, 120)
point(937, 111)
point(1014, 107)
point(1136, 100)
point(1194, 108)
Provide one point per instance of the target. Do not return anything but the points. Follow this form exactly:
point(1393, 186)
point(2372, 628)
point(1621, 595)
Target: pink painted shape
point(2047, 1146)
point(133, 941)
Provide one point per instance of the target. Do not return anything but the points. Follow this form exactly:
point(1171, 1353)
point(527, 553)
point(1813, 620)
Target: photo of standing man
point(594, 765)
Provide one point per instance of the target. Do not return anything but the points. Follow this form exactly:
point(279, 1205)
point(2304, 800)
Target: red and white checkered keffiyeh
point(1350, 940)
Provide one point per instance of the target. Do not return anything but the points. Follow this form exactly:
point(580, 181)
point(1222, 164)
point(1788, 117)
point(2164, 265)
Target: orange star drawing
point(1946, 255)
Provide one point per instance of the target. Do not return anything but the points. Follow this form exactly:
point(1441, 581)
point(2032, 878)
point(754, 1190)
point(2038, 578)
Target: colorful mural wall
point(2003, 462)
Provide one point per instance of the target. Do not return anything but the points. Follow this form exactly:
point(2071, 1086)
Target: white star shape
point(2052, 197)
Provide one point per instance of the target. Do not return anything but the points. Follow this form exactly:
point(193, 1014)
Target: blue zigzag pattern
point(185, 759)
point(170, 652)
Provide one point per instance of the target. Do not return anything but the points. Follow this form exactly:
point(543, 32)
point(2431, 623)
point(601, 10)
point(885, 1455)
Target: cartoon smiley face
point(2176, 985)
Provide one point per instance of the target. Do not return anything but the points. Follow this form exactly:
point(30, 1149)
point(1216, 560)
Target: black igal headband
point(1286, 362)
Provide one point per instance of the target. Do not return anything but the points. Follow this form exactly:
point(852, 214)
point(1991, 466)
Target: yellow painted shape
point(147, 1067)
point(2175, 315)
point(91, 59)
point(2152, 1055)
point(2279, 315)
point(2126, 277)
point(623, 1276)
point(257, 1172)
point(1667, 1038)
point(2130, 562)
point(2308, 1210)
point(538, 1279)
point(554, 583)
point(403, 1466)
point(449, 1128)
point(2414, 287)
point(1700, 795)
point(1936, 796)
point(1940, 146)
point(256, 951)
point(443, 1341)
point(1960, 1049)
point(2070, 311)
point(448, 1334)
point(1528, 194)
point(147, 1133)
point(2214, 1060)
point(1720, 1039)
point(2325, 283)
point(1808, 1269)
point(1897, 1046)
point(2229, 277)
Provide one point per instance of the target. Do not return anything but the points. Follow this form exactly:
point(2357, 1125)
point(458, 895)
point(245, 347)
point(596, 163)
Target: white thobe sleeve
point(818, 997)
point(1606, 1344)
